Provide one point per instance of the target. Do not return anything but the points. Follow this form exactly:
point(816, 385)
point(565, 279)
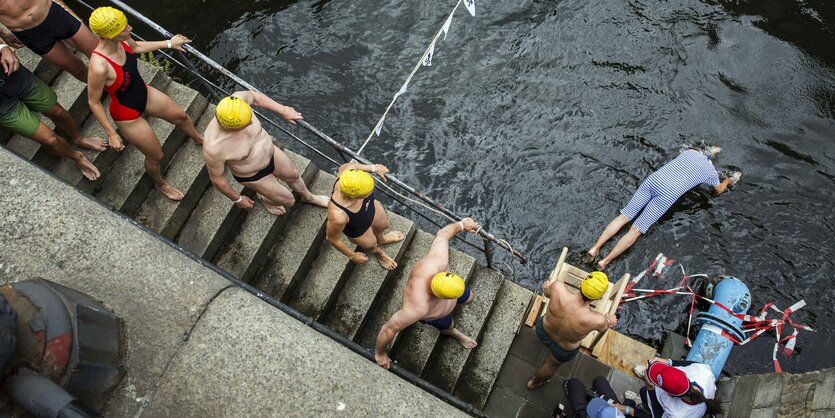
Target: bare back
point(568, 318)
point(18, 15)
point(245, 151)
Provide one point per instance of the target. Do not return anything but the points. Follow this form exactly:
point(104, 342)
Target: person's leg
point(462, 339)
point(64, 122)
point(545, 372)
point(639, 199)
point(161, 106)
point(622, 245)
point(603, 388)
point(576, 393)
point(61, 56)
point(275, 197)
point(368, 242)
point(287, 171)
point(381, 223)
point(58, 146)
point(139, 133)
point(84, 40)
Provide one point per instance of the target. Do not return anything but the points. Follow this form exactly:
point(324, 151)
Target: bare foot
point(590, 256)
point(170, 191)
point(533, 384)
point(198, 140)
point(276, 210)
point(393, 236)
point(318, 200)
point(386, 261)
point(602, 264)
point(464, 340)
point(91, 142)
point(88, 170)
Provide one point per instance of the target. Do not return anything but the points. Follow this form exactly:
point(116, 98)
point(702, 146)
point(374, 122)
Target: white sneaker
point(632, 396)
point(640, 371)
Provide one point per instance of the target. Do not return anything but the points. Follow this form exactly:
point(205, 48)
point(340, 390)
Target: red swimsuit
point(129, 93)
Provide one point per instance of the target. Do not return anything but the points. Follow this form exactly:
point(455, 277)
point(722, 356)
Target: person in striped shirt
point(657, 193)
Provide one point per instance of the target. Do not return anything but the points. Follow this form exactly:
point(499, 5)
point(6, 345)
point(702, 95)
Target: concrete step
point(211, 221)
point(67, 170)
point(354, 302)
point(245, 252)
point(295, 249)
point(186, 172)
point(127, 185)
point(448, 358)
point(482, 368)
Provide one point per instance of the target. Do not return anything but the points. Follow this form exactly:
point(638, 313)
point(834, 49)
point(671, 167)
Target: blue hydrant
point(711, 347)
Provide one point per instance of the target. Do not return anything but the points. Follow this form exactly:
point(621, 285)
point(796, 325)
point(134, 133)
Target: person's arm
point(8, 37)
point(255, 98)
point(333, 231)
point(399, 321)
point(139, 47)
point(603, 322)
point(8, 59)
point(214, 166)
point(378, 169)
point(722, 186)
point(96, 77)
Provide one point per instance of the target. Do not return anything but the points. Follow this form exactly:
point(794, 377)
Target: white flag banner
point(427, 59)
point(379, 126)
point(402, 90)
point(446, 26)
point(470, 6)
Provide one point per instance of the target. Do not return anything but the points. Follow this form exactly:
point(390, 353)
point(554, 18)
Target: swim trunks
point(264, 172)
point(360, 221)
point(60, 23)
point(562, 355)
point(662, 188)
point(22, 94)
point(445, 323)
point(128, 93)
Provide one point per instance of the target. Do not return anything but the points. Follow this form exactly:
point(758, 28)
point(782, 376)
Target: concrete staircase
point(287, 257)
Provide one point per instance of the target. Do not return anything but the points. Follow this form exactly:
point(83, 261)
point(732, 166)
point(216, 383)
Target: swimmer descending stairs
point(287, 257)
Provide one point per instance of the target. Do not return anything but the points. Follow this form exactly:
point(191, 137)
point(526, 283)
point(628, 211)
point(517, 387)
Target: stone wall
point(779, 395)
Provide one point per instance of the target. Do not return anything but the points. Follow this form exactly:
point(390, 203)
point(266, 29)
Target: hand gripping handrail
point(338, 146)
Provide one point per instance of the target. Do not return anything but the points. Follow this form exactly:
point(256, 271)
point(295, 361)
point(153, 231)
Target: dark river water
point(540, 118)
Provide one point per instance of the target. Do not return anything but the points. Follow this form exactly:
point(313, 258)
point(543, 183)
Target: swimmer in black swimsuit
point(58, 23)
point(352, 210)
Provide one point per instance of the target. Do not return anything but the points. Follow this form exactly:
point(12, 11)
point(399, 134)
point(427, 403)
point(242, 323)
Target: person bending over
point(656, 194)
point(681, 389)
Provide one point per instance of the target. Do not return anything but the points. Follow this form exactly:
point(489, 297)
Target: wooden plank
point(536, 306)
point(621, 352)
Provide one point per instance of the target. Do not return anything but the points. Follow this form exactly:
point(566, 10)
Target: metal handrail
point(340, 148)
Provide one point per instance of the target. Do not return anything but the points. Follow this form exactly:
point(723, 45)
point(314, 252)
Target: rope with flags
point(753, 325)
point(425, 61)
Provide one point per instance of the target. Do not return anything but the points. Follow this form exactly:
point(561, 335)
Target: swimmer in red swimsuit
point(41, 25)
point(113, 67)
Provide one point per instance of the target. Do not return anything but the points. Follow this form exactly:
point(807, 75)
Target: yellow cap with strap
point(107, 22)
point(595, 285)
point(447, 285)
point(233, 113)
point(355, 183)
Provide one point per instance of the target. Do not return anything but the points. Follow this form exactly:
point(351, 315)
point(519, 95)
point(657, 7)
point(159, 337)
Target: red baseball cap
point(669, 379)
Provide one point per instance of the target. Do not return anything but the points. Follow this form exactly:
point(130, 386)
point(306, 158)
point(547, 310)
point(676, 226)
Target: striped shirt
point(685, 172)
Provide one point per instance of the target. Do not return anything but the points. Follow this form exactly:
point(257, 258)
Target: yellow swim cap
point(595, 285)
point(233, 113)
point(107, 22)
point(447, 285)
point(356, 183)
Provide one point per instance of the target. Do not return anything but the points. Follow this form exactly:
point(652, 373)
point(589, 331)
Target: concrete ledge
point(70, 239)
point(245, 358)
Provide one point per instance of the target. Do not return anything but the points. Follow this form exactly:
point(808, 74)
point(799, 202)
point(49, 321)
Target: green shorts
point(21, 118)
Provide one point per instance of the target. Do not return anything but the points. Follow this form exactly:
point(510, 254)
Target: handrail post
point(488, 253)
